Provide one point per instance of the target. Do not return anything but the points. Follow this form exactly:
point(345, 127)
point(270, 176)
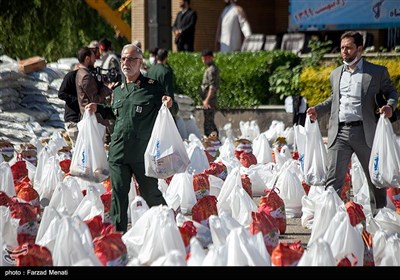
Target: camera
point(106, 76)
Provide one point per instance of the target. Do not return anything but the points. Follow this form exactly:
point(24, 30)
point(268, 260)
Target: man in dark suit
point(67, 92)
point(352, 120)
point(184, 27)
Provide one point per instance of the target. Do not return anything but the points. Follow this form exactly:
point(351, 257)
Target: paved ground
point(295, 231)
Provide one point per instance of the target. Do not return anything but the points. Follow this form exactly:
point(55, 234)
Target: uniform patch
point(139, 109)
point(151, 81)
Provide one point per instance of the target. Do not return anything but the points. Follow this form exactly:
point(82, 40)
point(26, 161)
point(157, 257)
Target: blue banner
point(343, 14)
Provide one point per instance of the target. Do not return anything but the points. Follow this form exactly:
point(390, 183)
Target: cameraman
point(88, 89)
point(108, 61)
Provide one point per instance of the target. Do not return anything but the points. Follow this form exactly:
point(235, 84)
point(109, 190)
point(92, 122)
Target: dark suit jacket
point(187, 23)
point(67, 92)
point(375, 80)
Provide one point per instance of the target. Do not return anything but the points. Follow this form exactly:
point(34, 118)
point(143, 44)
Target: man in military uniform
point(162, 72)
point(135, 107)
point(209, 89)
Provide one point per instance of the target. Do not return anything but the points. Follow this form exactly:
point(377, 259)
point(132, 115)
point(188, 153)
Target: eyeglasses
point(129, 59)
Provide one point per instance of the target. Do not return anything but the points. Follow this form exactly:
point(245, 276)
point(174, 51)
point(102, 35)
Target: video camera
point(106, 76)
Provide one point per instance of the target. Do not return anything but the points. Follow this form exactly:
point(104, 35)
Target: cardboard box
point(31, 64)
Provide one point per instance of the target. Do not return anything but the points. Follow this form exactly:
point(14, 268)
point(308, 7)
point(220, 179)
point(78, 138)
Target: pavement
point(295, 231)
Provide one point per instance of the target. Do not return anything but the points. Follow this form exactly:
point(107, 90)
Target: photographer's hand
point(91, 107)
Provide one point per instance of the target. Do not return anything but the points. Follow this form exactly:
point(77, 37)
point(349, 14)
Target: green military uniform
point(135, 107)
point(164, 75)
point(211, 78)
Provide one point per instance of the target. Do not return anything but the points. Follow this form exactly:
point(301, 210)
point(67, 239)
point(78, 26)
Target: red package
point(95, 226)
point(19, 170)
point(247, 159)
point(306, 187)
point(201, 185)
point(5, 200)
point(350, 260)
point(107, 184)
point(106, 199)
point(30, 195)
point(274, 205)
point(394, 196)
point(355, 212)
point(218, 170)
point(65, 165)
point(345, 191)
point(187, 231)
point(287, 254)
point(29, 254)
point(24, 182)
point(246, 183)
point(268, 226)
point(169, 179)
point(28, 224)
point(204, 208)
point(110, 249)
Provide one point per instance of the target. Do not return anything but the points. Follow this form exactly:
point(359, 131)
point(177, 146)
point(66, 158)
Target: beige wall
point(139, 22)
point(265, 16)
point(268, 17)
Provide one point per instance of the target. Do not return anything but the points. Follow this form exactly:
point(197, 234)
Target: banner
point(343, 14)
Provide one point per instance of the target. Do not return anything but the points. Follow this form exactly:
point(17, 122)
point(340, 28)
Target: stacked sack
point(185, 120)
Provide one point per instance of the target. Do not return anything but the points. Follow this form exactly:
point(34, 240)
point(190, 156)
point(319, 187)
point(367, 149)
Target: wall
point(139, 22)
point(265, 16)
point(266, 19)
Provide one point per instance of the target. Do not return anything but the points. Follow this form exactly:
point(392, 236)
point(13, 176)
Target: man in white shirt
point(232, 23)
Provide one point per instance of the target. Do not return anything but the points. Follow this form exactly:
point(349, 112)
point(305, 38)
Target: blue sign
point(343, 14)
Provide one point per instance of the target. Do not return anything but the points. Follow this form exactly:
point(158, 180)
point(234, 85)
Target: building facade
point(152, 21)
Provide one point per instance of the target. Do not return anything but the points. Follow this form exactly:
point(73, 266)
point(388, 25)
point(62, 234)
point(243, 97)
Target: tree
point(51, 29)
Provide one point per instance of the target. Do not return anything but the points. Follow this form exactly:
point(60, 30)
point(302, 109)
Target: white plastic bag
point(319, 253)
point(315, 155)
point(89, 159)
point(6, 179)
point(384, 162)
point(73, 244)
point(262, 150)
point(165, 154)
point(344, 239)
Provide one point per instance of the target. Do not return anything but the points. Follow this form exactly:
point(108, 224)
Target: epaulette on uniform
point(150, 81)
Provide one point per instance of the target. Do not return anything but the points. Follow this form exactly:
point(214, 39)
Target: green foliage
point(315, 83)
point(244, 76)
point(51, 29)
point(285, 81)
point(318, 50)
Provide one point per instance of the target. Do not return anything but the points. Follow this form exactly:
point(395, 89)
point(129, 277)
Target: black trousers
point(209, 124)
point(349, 140)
